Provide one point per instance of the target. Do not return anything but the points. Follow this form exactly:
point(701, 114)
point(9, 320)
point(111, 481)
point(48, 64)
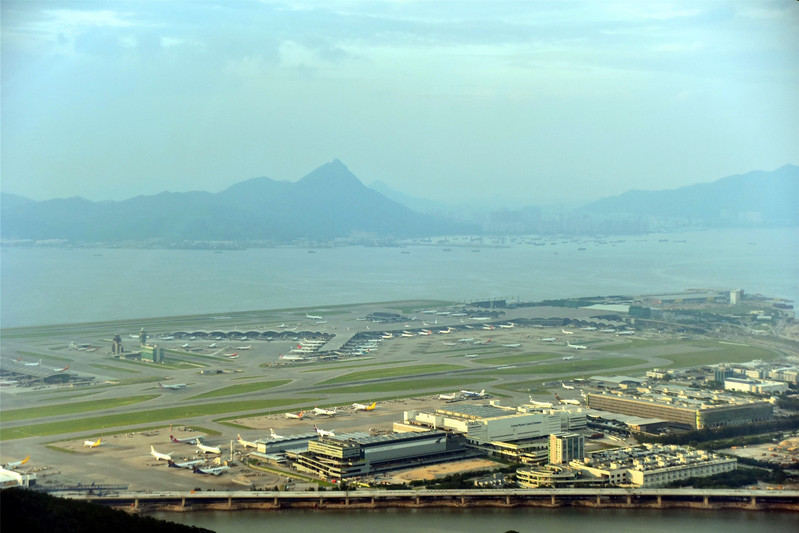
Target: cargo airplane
point(275, 435)
point(326, 412)
point(567, 387)
point(187, 464)
point(188, 440)
point(323, 432)
point(295, 415)
point(15, 464)
point(160, 456)
point(246, 443)
point(91, 443)
point(173, 386)
point(363, 407)
point(208, 449)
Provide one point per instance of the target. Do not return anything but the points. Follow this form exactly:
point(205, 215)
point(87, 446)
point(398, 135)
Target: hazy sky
point(525, 101)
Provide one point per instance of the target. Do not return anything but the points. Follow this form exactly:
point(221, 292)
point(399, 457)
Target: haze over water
point(65, 285)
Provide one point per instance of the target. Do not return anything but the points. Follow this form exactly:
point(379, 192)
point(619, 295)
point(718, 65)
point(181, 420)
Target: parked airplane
point(324, 433)
point(576, 346)
point(567, 332)
point(292, 357)
point(188, 440)
point(480, 318)
point(37, 363)
point(160, 456)
point(172, 386)
point(187, 345)
point(545, 405)
point(547, 339)
point(481, 342)
point(516, 345)
point(91, 443)
point(470, 339)
point(567, 387)
point(187, 464)
point(448, 330)
point(363, 407)
point(234, 355)
point(295, 415)
point(326, 412)
point(471, 355)
point(452, 396)
point(610, 330)
point(507, 326)
point(407, 334)
point(425, 332)
point(313, 317)
point(626, 333)
point(589, 328)
point(208, 449)
point(571, 402)
point(61, 369)
point(488, 326)
point(568, 358)
point(449, 343)
point(15, 464)
point(248, 347)
point(214, 471)
point(275, 435)
point(470, 394)
point(246, 443)
point(386, 335)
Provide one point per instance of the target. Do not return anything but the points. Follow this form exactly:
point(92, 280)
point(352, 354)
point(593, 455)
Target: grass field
point(382, 373)
point(721, 353)
point(515, 359)
point(171, 414)
point(115, 368)
point(571, 367)
point(70, 408)
point(409, 388)
point(244, 388)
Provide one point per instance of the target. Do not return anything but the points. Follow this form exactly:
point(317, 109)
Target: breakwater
point(709, 499)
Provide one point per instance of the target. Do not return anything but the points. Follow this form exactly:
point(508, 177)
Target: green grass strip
point(241, 389)
point(722, 354)
point(116, 369)
point(409, 388)
point(393, 372)
point(574, 366)
point(174, 414)
point(70, 408)
point(515, 359)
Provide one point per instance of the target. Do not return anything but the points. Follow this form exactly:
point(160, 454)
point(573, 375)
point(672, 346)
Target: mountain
point(328, 203)
point(758, 197)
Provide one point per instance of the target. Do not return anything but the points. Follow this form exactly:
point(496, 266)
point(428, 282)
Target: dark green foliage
point(731, 432)
point(35, 512)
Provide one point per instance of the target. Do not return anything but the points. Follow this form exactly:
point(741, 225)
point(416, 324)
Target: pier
point(708, 499)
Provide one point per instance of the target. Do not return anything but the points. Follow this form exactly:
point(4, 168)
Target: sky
point(505, 102)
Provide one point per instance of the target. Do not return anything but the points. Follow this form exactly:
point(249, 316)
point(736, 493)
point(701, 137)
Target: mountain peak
point(333, 174)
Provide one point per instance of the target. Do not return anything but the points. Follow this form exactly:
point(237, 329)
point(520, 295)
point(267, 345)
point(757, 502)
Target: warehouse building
point(359, 454)
point(685, 412)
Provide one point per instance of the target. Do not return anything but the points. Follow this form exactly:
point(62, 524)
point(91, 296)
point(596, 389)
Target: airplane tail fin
point(27, 458)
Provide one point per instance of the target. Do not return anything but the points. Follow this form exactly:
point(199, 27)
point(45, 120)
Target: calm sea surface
point(60, 285)
point(492, 521)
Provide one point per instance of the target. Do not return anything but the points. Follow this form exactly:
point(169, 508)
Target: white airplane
point(444, 331)
point(626, 333)
point(61, 369)
point(449, 343)
point(545, 405)
point(160, 456)
point(471, 355)
point(37, 363)
point(248, 347)
point(295, 415)
point(208, 449)
point(292, 357)
point(610, 330)
point(576, 346)
point(386, 335)
point(407, 334)
point(188, 440)
point(91, 443)
point(566, 332)
point(187, 345)
point(323, 433)
point(275, 435)
point(571, 402)
point(515, 345)
point(481, 318)
point(568, 358)
point(15, 464)
point(470, 339)
point(234, 355)
point(507, 326)
point(425, 332)
point(212, 345)
point(313, 317)
point(187, 464)
point(452, 396)
point(589, 328)
point(481, 342)
point(547, 339)
point(488, 327)
point(214, 471)
point(364, 407)
point(173, 386)
point(326, 412)
point(471, 394)
point(246, 443)
point(567, 387)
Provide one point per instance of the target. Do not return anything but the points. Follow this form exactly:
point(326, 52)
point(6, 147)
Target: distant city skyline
point(513, 103)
